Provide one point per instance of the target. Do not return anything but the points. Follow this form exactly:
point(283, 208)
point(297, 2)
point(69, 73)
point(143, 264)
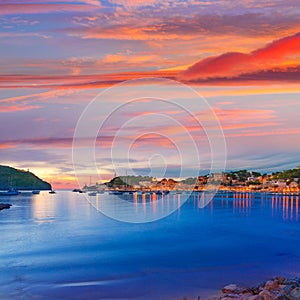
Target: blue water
point(60, 247)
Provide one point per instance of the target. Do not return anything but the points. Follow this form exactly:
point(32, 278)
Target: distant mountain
point(20, 179)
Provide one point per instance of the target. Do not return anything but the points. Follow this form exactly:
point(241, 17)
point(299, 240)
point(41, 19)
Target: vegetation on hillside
point(20, 179)
point(287, 175)
point(190, 180)
point(127, 180)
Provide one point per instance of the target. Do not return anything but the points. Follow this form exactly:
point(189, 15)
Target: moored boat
point(92, 194)
point(117, 193)
point(10, 192)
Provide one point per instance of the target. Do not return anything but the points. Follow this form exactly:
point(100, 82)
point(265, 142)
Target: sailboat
point(52, 191)
point(11, 191)
point(34, 191)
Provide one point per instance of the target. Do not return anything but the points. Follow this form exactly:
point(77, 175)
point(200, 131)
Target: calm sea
point(60, 247)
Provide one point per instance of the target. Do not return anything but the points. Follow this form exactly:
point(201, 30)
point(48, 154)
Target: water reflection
point(45, 208)
point(137, 206)
point(284, 205)
point(288, 205)
point(242, 202)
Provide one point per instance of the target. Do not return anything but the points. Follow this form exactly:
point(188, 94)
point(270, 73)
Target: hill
point(287, 174)
point(20, 179)
point(127, 180)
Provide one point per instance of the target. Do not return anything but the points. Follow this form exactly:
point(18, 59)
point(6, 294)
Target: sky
point(231, 74)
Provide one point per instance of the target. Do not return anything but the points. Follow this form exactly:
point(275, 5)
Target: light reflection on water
point(60, 247)
point(287, 204)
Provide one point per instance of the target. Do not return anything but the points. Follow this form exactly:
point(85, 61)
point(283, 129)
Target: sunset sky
point(242, 56)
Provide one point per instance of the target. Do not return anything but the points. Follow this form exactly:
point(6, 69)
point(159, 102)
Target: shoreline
point(238, 190)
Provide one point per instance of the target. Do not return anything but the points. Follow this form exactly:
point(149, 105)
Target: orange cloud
point(7, 145)
point(243, 114)
point(279, 56)
point(127, 32)
point(117, 58)
point(278, 61)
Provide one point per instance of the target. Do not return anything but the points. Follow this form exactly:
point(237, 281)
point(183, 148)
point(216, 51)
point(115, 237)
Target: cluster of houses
point(263, 183)
point(228, 181)
point(242, 180)
point(247, 181)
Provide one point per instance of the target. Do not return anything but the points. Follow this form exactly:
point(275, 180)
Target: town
point(243, 180)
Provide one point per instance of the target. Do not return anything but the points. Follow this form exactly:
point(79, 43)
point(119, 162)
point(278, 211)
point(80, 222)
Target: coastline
point(220, 189)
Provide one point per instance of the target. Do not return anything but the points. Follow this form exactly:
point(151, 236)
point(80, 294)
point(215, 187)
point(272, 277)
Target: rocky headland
point(4, 206)
point(278, 288)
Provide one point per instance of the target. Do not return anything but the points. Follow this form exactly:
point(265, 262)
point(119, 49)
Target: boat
point(117, 193)
point(92, 194)
point(35, 192)
point(10, 192)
